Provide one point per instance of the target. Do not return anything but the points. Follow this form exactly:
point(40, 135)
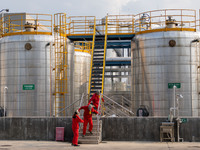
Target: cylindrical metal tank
point(25, 74)
point(70, 75)
point(161, 58)
point(81, 74)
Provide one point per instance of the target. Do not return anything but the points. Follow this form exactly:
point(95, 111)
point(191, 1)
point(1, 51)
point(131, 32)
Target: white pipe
point(118, 59)
point(174, 87)
point(5, 88)
point(118, 70)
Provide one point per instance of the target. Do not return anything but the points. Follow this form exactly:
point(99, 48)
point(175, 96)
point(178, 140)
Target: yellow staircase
point(97, 69)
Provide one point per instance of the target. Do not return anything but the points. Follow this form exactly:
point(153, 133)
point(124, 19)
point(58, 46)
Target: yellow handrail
point(83, 46)
point(91, 62)
point(104, 58)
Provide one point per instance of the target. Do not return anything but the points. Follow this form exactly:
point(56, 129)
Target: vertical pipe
point(5, 88)
point(191, 77)
point(46, 78)
point(174, 88)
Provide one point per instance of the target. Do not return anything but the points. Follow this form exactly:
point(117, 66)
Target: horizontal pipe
point(118, 70)
point(118, 59)
point(117, 76)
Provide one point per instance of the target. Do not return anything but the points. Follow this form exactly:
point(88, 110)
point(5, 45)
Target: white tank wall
point(19, 67)
point(155, 64)
point(70, 73)
point(81, 74)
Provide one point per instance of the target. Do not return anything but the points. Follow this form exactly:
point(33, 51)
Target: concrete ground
point(53, 145)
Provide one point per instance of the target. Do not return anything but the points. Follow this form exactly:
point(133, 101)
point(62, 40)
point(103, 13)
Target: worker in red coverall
point(75, 127)
point(88, 117)
point(95, 99)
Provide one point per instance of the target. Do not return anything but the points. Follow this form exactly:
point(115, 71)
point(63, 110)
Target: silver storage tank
point(25, 74)
point(82, 61)
point(160, 58)
point(70, 75)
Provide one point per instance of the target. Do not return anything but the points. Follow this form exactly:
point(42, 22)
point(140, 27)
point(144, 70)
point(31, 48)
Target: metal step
point(97, 61)
point(96, 88)
point(99, 42)
point(97, 64)
point(98, 54)
point(97, 71)
point(96, 84)
point(96, 80)
point(98, 50)
point(97, 68)
point(99, 37)
point(96, 75)
point(97, 57)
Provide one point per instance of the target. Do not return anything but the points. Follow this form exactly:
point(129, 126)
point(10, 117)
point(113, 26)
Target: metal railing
point(120, 99)
point(83, 46)
point(129, 24)
point(198, 22)
point(181, 18)
point(113, 107)
point(80, 25)
point(68, 107)
point(99, 112)
point(25, 22)
point(80, 102)
point(120, 24)
point(116, 24)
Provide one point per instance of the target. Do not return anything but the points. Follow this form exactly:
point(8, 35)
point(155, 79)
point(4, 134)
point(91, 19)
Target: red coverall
point(75, 128)
point(87, 118)
point(95, 100)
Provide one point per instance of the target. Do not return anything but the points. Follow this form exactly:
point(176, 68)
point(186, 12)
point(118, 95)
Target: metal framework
point(25, 23)
point(60, 63)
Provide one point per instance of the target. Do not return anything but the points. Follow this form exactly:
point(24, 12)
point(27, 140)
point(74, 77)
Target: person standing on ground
point(88, 110)
point(95, 99)
point(75, 127)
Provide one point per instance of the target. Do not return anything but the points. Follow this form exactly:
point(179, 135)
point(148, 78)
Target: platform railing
point(117, 24)
point(120, 24)
point(157, 19)
point(83, 46)
point(182, 19)
point(198, 21)
point(80, 25)
point(22, 23)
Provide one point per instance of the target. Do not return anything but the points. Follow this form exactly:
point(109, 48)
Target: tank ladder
point(60, 63)
point(98, 58)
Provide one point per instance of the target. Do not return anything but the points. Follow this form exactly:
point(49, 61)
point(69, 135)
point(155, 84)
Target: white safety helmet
point(90, 107)
point(98, 92)
point(77, 112)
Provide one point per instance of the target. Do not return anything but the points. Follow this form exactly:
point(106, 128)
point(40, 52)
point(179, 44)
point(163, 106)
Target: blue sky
point(98, 8)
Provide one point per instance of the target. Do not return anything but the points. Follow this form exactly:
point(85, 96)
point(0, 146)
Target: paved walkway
point(52, 145)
